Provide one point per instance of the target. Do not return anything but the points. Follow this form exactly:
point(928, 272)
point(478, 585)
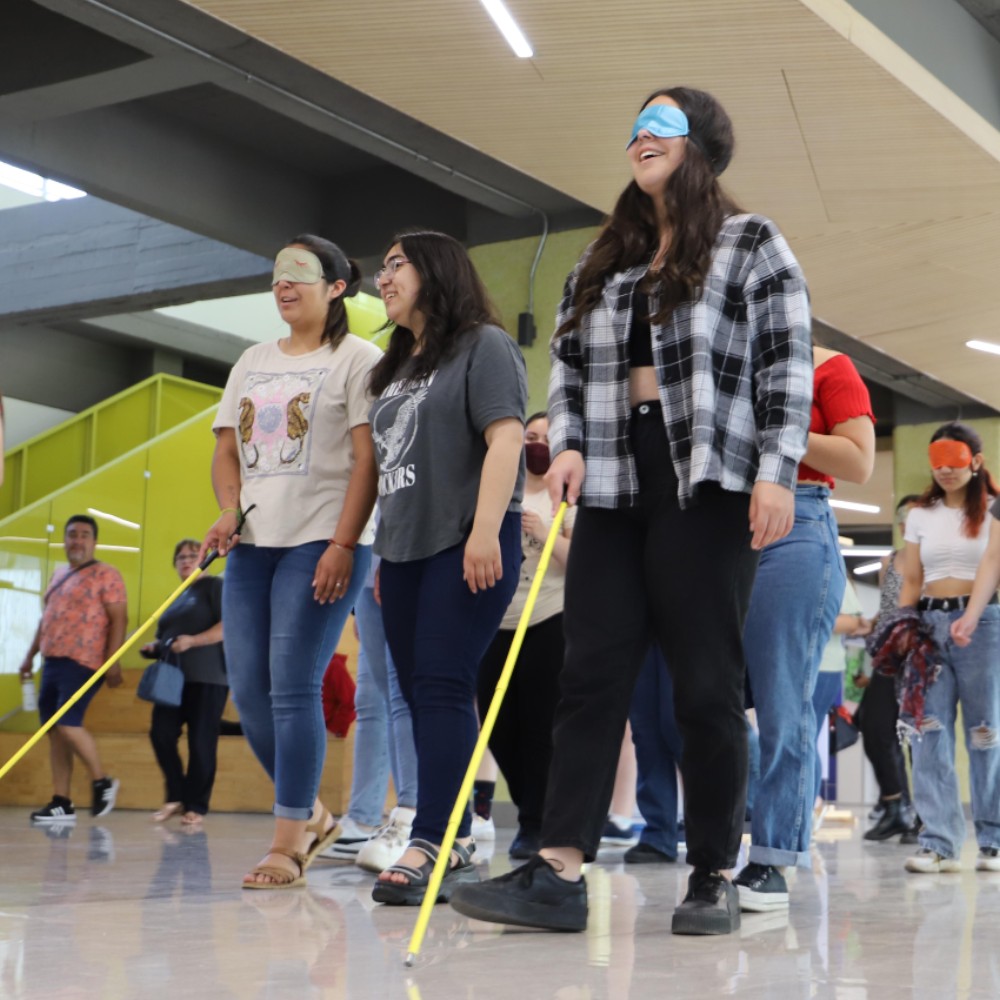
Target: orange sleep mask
point(949, 454)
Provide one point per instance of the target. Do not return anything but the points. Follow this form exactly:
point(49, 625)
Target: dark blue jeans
point(657, 752)
point(438, 631)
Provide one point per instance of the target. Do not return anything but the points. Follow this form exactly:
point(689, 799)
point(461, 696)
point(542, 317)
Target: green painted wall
point(505, 268)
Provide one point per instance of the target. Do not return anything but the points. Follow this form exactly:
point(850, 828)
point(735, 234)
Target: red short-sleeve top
point(839, 394)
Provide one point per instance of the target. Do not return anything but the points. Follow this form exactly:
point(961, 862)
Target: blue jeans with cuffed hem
point(658, 748)
point(796, 596)
point(969, 677)
point(383, 733)
point(438, 631)
point(278, 643)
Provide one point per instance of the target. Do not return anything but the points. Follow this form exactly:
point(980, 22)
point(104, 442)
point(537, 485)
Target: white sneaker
point(483, 829)
point(929, 862)
point(353, 836)
point(988, 860)
point(388, 842)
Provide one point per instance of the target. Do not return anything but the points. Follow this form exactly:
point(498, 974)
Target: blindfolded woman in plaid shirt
point(679, 405)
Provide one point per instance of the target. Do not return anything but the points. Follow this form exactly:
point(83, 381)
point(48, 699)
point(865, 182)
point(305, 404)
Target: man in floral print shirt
point(82, 625)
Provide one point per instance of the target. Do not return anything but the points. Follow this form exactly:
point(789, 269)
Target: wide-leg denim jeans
point(278, 643)
point(969, 677)
point(796, 596)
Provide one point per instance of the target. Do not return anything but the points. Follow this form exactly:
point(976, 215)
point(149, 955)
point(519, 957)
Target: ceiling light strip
point(503, 19)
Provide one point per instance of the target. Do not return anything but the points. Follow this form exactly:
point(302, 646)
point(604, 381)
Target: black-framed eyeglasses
point(392, 265)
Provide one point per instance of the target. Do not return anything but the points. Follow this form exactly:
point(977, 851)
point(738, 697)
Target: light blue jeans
point(278, 643)
point(829, 689)
point(383, 739)
point(969, 677)
point(796, 596)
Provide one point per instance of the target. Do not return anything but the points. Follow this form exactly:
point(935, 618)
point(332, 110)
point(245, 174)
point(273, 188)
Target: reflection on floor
point(120, 908)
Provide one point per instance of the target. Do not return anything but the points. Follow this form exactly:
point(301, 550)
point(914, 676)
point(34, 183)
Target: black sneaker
point(105, 793)
point(762, 888)
point(646, 854)
point(530, 896)
point(711, 906)
point(526, 843)
point(59, 810)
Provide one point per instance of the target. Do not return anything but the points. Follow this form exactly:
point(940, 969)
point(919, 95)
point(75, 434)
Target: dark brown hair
point(336, 267)
point(980, 488)
point(696, 206)
point(186, 543)
point(452, 301)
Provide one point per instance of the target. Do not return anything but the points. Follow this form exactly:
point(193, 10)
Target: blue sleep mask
point(662, 120)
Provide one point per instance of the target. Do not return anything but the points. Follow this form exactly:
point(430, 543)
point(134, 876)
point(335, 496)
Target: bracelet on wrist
point(346, 546)
point(234, 510)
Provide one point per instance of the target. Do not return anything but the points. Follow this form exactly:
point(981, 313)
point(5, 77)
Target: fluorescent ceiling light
point(983, 345)
point(872, 551)
point(508, 28)
point(864, 508)
point(112, 517)
point(872, 567)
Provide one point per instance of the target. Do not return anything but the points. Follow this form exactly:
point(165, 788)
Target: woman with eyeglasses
point(189, 633)
point(678, 413)
point(448, 423)
point(947, 536)
point(292, 439)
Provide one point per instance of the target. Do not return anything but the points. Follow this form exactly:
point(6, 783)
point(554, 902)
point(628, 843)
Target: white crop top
point(944, 550)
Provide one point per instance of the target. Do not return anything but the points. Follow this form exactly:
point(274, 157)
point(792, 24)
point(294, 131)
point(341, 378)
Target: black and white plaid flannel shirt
point(735, 374)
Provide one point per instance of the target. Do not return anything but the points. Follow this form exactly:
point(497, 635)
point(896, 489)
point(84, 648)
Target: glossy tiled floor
point(124, 909)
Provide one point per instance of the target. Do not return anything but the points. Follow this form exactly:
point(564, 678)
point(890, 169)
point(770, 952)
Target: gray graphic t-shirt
point(430, 447)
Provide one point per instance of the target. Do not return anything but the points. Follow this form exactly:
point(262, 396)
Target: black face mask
point(537, 458)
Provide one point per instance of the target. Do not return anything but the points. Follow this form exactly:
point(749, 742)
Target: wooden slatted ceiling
point(892, 208)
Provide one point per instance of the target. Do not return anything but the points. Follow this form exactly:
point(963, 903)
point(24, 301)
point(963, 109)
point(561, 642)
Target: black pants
point(522, 736)
point(683, 577)
point(879, 711)
point(200, 709)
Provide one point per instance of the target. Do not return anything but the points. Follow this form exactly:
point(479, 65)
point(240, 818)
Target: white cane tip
point(409, 960)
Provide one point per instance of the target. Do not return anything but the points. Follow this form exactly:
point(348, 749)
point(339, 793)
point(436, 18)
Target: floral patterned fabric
point(75, 622)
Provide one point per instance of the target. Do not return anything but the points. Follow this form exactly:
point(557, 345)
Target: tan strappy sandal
point(324, 837)
point(282, 879)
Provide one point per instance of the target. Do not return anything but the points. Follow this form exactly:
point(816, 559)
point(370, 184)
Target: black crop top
point(640, 337)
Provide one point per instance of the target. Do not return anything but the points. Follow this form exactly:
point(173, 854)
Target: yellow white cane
point(444, 856)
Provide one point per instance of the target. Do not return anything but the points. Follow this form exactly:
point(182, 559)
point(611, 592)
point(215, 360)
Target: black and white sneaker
point(762, 888)
point(59, 810)
point(105, 793)
point(351, 839)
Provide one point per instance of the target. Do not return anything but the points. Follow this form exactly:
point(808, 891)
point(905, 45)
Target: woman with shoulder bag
point(192, 629)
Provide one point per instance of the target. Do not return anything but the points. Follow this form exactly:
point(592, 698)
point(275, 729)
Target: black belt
point(947, 603)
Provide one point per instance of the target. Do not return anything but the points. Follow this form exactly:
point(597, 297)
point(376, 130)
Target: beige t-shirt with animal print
point(293, 417)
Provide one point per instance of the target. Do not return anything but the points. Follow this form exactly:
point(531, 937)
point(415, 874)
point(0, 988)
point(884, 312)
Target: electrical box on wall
point(525, 329)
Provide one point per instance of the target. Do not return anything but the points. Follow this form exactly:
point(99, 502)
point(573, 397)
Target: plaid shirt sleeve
point(781, 355)
point(566, 419)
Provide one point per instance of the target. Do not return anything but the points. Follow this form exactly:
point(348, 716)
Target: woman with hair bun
point(945, 580)
point(678, 413)
point(292, 440)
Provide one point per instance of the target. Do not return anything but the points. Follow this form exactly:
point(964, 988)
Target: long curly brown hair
point(696, 206)
point(981, 488)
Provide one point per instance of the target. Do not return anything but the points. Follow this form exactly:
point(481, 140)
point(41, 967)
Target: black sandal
point(411, 893)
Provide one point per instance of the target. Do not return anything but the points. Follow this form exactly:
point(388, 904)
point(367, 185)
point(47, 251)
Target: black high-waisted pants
point(684, 578)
